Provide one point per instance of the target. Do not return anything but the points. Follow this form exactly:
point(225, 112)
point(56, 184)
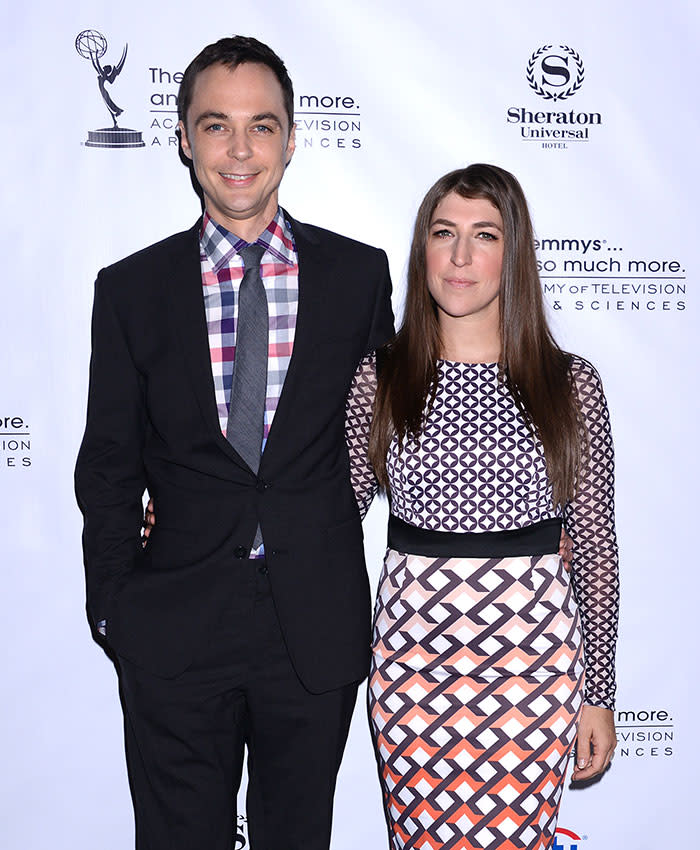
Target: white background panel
point(434, 85)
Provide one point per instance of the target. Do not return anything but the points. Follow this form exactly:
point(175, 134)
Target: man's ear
point(291, 144)
point(184, 141)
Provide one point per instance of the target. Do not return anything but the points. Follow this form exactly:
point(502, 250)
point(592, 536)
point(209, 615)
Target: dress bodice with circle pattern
point(477, 467)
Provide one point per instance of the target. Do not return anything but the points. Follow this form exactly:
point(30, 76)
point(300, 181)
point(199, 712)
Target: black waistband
point(540, 538)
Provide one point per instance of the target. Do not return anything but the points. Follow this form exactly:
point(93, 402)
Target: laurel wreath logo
point(558, 95)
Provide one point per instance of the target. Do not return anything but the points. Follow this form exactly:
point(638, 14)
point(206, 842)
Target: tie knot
point(252, 254)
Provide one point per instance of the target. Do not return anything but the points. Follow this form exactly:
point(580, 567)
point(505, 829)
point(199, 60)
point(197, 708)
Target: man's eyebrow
point(266, 116)
point(211, 114)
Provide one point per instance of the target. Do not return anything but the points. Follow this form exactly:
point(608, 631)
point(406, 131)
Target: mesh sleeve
point(590, 520)
point(358, 418)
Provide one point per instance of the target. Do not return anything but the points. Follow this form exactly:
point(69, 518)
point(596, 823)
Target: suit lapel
point(314, 263)
point(184, 297)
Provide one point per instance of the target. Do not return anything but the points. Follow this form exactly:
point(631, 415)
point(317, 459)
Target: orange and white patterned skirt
point(474, 693)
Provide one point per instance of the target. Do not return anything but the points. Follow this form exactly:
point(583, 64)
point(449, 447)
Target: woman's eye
point(489, 237)
point(442, 233)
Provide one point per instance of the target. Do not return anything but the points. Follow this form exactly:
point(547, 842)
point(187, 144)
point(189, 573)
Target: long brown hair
point(532, 366)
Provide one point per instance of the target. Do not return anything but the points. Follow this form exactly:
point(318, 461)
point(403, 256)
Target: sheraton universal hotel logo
point(555, 73)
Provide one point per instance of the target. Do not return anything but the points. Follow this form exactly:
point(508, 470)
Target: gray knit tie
point(246, 414)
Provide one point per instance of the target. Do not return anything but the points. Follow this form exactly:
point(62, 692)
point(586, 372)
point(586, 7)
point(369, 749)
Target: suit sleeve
point(109, 475)
point(360, 401)
point(382, 325)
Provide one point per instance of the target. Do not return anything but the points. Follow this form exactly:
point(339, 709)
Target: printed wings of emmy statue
point(92, 45)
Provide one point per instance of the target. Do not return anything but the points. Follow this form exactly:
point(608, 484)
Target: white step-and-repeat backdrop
point(594, 106)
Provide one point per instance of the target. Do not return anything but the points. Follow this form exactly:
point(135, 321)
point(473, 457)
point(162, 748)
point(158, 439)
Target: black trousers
point(185, 739)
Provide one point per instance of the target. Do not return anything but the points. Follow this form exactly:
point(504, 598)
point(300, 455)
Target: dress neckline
point(464, 363)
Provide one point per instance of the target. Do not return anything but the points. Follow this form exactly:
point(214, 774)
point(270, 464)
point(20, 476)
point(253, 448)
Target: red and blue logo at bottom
point(565, 839)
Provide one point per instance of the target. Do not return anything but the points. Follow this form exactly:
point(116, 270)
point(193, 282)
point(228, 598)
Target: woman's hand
point(566, 550)
point(595, 742)
point(149, 520)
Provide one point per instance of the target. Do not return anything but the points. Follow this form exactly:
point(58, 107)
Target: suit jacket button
point(262, 570)
point(240, 552)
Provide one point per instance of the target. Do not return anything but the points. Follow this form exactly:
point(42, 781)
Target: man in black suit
point(245, 621)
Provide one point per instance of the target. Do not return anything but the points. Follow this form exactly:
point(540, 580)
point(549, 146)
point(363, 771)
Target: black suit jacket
point(152, 424)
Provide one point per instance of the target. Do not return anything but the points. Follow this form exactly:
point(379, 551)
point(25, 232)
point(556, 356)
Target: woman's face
point(463, 256)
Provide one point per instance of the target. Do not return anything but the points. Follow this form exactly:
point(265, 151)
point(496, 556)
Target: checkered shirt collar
point(220, 245)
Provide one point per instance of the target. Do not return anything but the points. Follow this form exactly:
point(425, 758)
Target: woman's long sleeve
point(590, 520)
point(358, 419)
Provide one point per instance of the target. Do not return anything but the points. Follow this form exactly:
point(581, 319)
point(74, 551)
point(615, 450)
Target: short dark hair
point(232, 52)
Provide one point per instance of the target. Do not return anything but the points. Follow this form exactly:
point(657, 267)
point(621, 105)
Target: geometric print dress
point(484, 648)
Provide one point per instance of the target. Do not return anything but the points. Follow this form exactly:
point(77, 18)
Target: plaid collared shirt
point(222, 271)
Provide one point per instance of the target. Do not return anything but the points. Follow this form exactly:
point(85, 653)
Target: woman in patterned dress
point(488, 659)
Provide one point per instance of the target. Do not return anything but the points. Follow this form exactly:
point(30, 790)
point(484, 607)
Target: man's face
point(239, 141)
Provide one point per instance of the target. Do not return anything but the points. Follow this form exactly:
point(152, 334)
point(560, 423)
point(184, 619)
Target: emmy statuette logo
point(92, 45)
